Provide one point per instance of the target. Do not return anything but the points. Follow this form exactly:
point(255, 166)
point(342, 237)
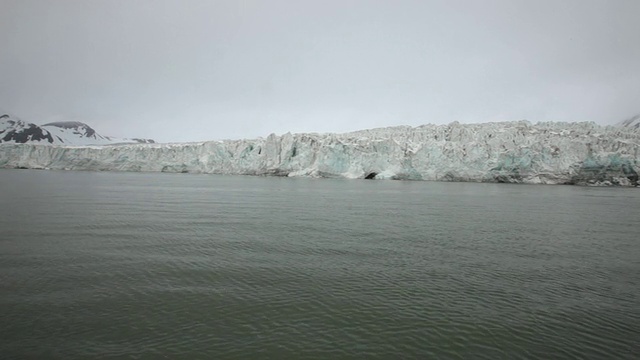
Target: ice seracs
point(514, 152)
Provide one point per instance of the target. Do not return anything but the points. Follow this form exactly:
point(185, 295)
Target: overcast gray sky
point(196, 70)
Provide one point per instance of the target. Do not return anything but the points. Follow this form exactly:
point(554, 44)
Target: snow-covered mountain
point(67, 132)
point(514, 152)
point(632, 123)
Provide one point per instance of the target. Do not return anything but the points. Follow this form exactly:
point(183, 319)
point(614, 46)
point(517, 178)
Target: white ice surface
point(544, 153)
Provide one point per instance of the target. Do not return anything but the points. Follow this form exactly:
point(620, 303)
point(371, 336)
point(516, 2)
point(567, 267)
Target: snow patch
point(16, 131)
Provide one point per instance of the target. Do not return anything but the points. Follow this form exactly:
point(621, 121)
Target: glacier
point(506, 152)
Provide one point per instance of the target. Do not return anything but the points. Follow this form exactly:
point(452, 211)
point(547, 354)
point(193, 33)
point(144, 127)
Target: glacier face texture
point(512, 152)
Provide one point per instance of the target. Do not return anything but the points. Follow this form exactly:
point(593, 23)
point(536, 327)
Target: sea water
point(140, 265)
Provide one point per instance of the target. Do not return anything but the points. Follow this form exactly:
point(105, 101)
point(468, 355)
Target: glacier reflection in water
point(97, 265)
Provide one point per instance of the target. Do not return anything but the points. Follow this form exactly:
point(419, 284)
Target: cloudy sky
point(189, 70)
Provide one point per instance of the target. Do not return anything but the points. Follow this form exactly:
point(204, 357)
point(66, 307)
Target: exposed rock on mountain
point(67, 132)
point(631, 123)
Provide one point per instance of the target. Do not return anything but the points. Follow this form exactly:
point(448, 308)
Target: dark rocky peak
point(144, 141)
point(80, 127)
point(21, 132)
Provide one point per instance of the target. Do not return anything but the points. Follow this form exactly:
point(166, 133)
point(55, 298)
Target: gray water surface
point(133, 265)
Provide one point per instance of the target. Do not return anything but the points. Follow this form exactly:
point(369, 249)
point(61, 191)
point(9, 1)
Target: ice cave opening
point(371, 176)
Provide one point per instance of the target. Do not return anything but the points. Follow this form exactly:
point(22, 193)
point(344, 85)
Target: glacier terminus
point(506, 152)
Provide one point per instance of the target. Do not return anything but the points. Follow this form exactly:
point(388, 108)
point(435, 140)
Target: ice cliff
point(514, 152)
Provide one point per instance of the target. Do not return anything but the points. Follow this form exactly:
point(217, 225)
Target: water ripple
point(228, 267)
